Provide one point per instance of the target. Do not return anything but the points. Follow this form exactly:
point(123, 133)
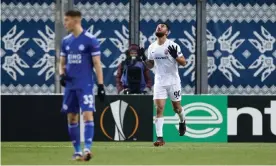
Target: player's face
point(161, 30)
point(70, 23)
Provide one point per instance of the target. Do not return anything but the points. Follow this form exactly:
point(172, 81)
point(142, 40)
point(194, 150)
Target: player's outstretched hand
point(101, 92)
point(62, 79)
point(173, 51)
point(141, 54)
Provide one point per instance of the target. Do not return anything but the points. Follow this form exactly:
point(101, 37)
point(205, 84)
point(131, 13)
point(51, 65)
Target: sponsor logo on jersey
point(161, 57)
point(166, 52)
point(74, 58)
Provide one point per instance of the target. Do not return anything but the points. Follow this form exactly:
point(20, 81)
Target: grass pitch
point(139, 153)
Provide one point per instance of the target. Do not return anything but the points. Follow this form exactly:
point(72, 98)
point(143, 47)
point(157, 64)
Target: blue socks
point(74, 132)
point(88, 134)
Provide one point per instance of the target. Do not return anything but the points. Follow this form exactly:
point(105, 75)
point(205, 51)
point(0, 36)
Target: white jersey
point(166, 67)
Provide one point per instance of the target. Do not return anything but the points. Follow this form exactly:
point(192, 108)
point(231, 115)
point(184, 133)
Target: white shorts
point(171, 91)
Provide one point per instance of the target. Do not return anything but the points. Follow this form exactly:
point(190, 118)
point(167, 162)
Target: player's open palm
point(173, 51)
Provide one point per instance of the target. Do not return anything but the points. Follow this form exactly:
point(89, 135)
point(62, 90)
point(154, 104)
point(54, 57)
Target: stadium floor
point(128, 153)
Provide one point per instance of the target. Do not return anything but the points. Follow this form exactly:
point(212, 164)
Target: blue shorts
point(76, 99)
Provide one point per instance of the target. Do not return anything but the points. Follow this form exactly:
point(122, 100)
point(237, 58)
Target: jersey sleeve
point(150, 57)
point(62, 49)
point(95, 47)
point(179, 53)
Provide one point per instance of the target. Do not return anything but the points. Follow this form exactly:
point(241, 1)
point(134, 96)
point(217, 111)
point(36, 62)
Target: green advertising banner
point(206, 120)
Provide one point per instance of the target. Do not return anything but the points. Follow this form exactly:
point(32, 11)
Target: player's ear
point(168, 32)
point(78, 19)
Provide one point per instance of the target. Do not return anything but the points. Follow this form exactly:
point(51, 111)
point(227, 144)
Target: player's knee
point(159, 109)
point(176, 105)
point(88, 116)
point(73, 118)
point(177, 110)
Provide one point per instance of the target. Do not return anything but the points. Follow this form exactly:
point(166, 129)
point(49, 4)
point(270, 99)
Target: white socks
point(181, 116)
point(159, 126)
point(86, 150)
point(160, 121)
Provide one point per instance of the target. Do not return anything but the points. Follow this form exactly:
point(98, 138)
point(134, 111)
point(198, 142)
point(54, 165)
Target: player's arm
point(62, 60)
point(147, 77)
point(96, 59)
point(99, 73)
point(149, 62)
point(98, 68)
point(62, 63)
point(181, 60)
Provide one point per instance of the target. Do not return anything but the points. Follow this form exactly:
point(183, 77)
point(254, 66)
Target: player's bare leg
point(74, 132)
point(159, 103)
point(88, 134)
point(179, 110)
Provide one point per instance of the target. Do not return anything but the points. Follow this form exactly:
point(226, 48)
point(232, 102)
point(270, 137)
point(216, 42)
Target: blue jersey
point(78, 52)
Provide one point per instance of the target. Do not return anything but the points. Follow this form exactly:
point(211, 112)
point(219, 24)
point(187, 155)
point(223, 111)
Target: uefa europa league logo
point(119, 109)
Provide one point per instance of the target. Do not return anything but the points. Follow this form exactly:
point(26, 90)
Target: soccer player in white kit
point(165, 55)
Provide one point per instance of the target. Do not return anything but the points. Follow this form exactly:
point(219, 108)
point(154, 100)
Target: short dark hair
point(167, 25)
point(73, 13)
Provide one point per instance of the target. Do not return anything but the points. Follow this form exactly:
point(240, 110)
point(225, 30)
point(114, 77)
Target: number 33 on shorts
point(88, 100)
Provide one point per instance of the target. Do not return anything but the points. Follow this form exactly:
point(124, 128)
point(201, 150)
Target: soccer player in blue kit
point(80, 52)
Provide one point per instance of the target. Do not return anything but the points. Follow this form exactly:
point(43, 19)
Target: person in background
point(133, 77)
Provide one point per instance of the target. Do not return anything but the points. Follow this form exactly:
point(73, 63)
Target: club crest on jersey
point(67, 48)
point(81, 47)
point(166, 51)
point(65, 107)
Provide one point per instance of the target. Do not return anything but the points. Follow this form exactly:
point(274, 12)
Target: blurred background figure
point(132, 76)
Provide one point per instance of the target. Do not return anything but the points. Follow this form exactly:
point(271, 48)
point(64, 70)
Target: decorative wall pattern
point(244, 53)
point(240, 42)
point(27, 47)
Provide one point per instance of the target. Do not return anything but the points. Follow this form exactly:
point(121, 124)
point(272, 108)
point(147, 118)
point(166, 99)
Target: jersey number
point(88, 99)
point(176, 94)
